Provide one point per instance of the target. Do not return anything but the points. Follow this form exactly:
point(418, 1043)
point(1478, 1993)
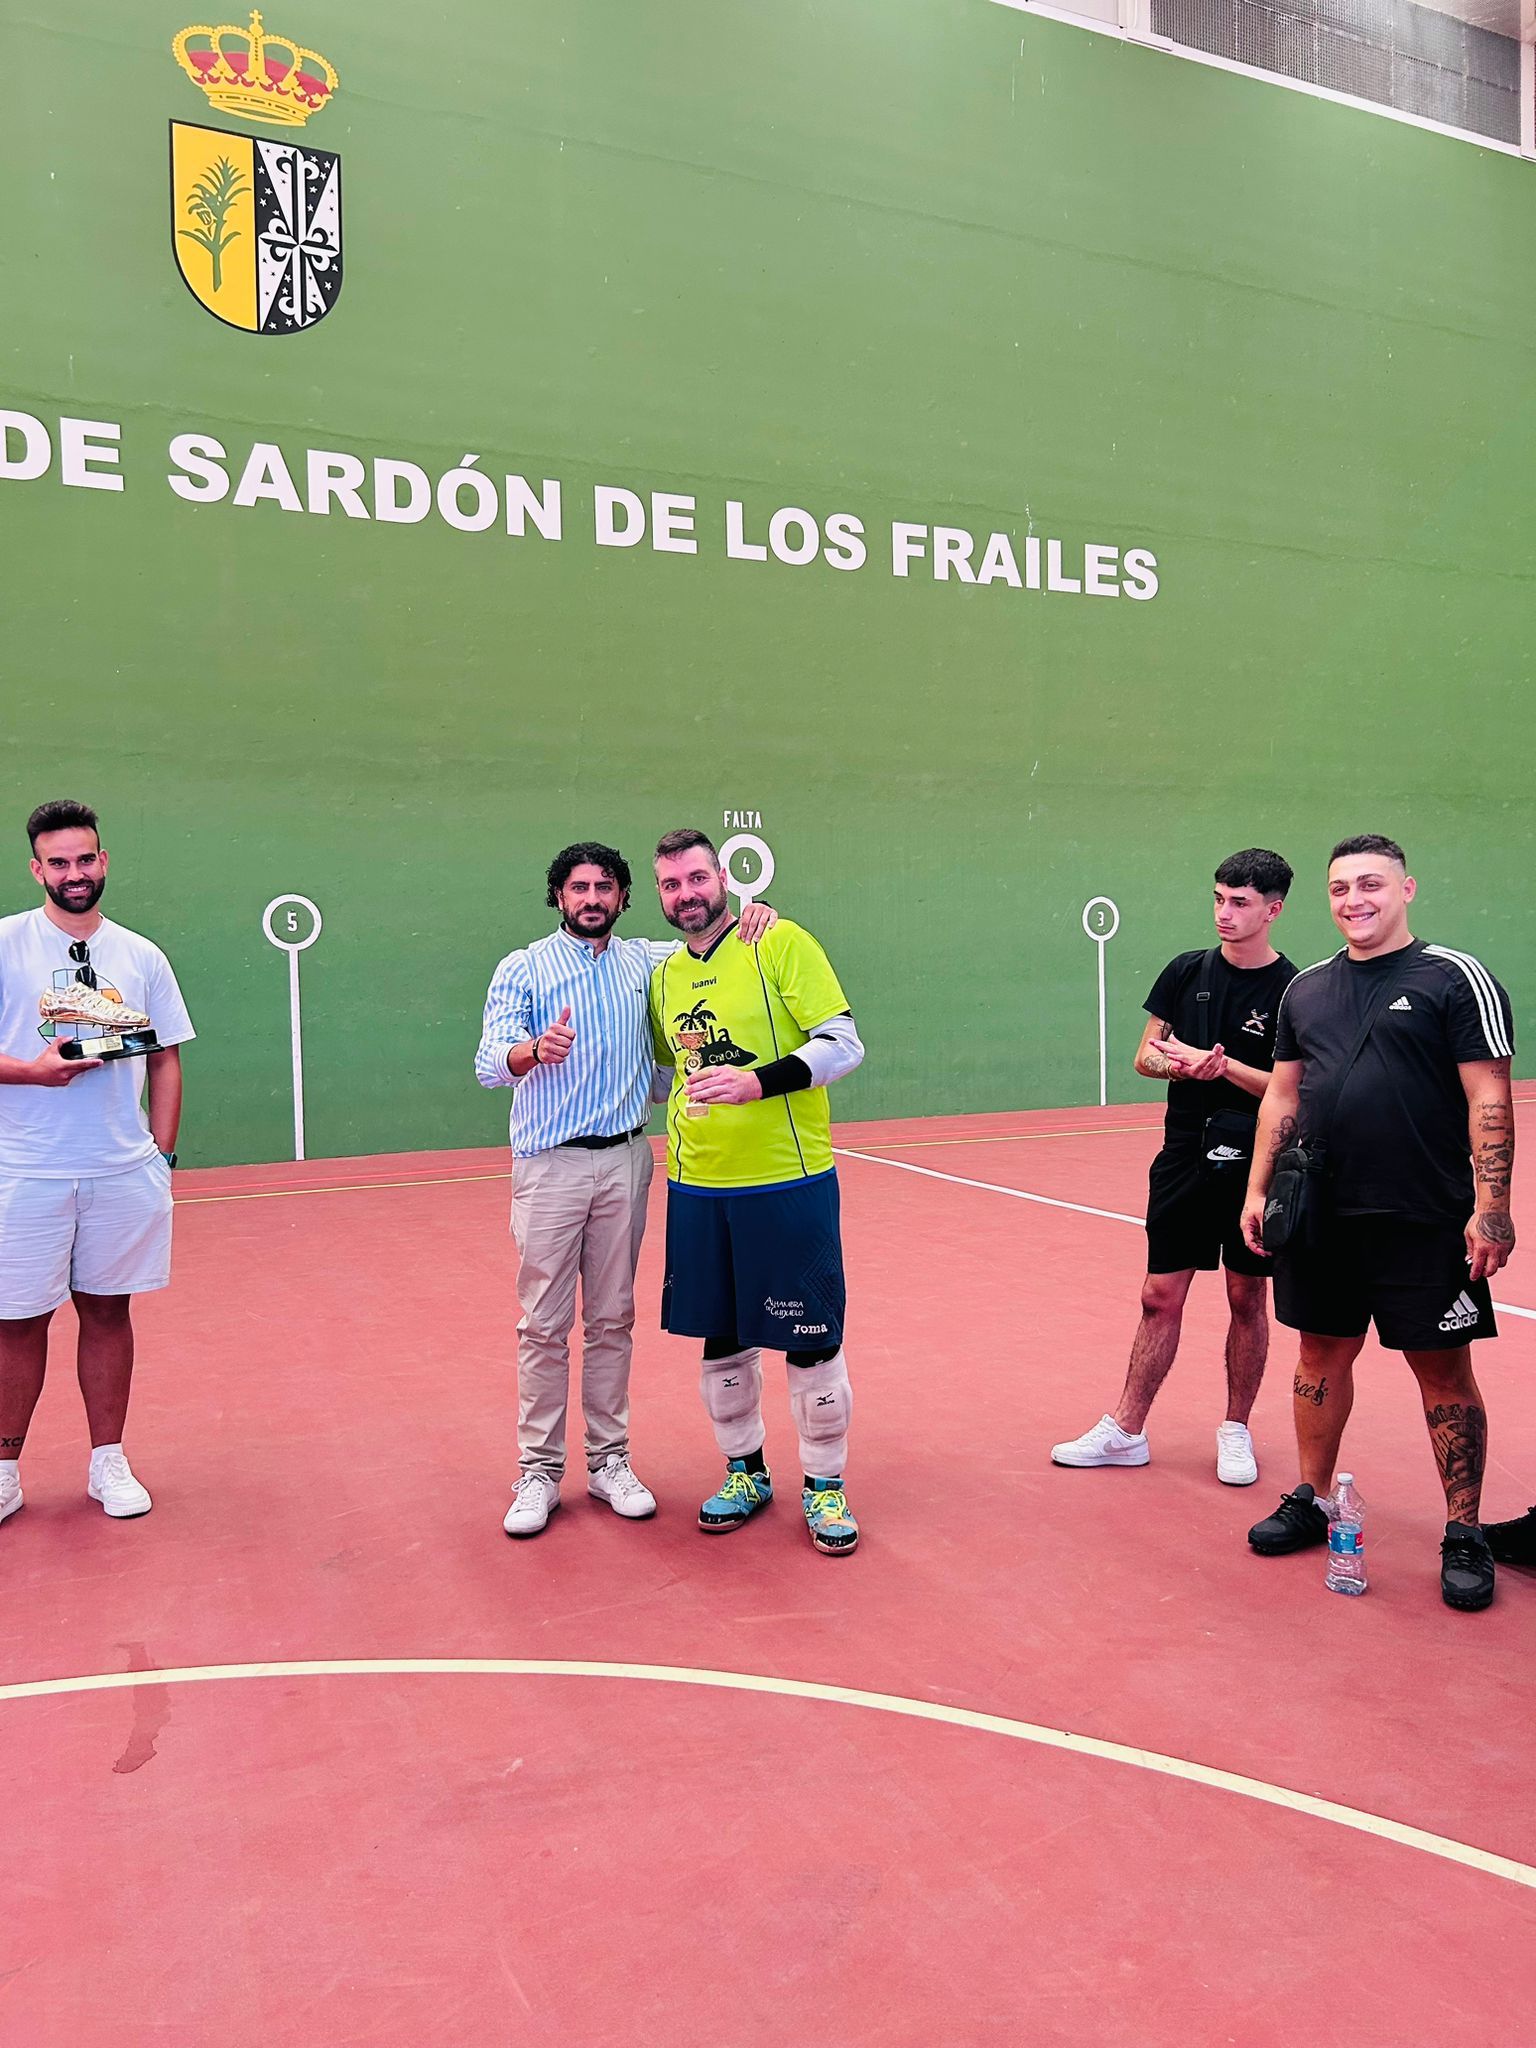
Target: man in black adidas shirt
point(1211, 1036)
point(1420, 1140)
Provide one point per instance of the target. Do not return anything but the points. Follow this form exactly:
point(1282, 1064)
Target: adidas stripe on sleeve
point(1482, 1021)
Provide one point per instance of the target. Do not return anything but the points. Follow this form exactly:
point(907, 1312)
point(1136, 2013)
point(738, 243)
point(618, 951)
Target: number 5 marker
point(285, 927)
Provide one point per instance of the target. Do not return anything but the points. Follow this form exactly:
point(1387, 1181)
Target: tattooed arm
point(1151, 1064)
point(1491, 1130)
point(1278, 1113)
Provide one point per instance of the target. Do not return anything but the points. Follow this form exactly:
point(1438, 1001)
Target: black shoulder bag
point(1293, 1206)
point(1226, 1142)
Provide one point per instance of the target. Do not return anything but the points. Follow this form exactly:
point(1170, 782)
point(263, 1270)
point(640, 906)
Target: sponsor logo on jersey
point(1257, 1019)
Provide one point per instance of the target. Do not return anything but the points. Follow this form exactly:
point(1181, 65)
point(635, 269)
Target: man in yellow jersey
point(754, 1256)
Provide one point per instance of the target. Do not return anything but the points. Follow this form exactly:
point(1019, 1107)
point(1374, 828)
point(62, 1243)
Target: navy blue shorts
point(765, 1265)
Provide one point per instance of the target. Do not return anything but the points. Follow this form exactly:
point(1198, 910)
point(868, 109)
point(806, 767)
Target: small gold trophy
point(692, 1043)
point(122, 1033)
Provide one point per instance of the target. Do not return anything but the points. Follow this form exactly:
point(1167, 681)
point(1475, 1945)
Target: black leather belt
point(603, 1144)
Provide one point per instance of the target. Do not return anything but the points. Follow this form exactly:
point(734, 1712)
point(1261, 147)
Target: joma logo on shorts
point(809, 1330)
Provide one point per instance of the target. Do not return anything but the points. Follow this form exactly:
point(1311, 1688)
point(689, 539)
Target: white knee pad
point(821, 1401)
point(733, 1393)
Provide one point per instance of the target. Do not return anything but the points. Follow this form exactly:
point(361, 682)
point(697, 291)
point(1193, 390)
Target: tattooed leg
point(1323, 1392)
point(1458, 1427)
point(23, 1360)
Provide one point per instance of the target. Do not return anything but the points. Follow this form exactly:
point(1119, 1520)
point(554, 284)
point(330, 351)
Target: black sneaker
point(1514, 1542)
point(1297, 1524)
point(1466, 1568)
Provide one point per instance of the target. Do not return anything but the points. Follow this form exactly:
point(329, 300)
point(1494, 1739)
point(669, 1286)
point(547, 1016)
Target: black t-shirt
point(1397, 1142)
point(1240, 1016)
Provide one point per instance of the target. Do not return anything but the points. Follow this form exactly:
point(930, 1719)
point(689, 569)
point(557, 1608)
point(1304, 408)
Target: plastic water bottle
point(1346, 1538)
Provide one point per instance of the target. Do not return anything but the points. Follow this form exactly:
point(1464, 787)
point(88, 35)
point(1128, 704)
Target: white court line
point(992, 1187)
point(1257, 1789)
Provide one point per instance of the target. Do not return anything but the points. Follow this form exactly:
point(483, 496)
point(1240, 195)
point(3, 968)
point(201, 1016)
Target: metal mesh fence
point(1390, 51)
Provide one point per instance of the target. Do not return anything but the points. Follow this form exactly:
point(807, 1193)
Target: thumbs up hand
point(554, 1045)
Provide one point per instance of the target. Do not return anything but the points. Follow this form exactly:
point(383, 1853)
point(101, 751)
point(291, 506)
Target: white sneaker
point(1105, 1444)
point(10, 1494)
point(614, 1482)
point(112, 1482)
point(1235, 1463)
point(534, 1499)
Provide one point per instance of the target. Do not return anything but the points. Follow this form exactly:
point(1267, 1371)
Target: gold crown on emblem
point(258, 76)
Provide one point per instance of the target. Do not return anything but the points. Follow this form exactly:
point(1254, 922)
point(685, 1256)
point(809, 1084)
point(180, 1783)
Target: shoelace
point(532, 1482)
point(1296, 1511)
point(828, 1502)
point(113, 1470)
point(739, 1486)
point(620, 1477)
point(1462, 1550)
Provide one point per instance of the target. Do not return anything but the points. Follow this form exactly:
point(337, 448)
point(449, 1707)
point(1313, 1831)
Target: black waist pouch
point(1294, 1202)
point(1226, 1143)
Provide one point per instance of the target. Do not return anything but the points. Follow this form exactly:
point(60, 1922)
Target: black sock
point(754, 1460)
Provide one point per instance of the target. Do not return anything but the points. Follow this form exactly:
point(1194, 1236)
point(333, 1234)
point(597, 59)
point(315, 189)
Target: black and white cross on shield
point(298, 235)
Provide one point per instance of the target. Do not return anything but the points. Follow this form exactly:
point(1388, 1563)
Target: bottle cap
point(1346, 1479)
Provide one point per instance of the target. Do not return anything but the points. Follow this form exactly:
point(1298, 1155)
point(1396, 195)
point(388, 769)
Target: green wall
point(945, 265)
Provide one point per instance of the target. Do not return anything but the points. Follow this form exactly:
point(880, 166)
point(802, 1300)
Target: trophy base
point(116, 1045)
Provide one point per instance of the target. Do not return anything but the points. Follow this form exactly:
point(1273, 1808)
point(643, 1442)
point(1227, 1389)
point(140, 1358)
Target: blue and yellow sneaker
point(738, 1500)
point(832, 1527)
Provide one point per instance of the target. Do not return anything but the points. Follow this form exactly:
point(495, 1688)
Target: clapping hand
point(1189, 1062)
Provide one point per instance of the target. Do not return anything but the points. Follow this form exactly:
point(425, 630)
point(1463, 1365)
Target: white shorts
point(111, 1235)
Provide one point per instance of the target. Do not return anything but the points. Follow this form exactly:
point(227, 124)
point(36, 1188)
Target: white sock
point(11, 1465)
point(100, 1451)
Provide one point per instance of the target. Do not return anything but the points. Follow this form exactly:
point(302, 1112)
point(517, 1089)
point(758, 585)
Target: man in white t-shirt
point(85, 1177)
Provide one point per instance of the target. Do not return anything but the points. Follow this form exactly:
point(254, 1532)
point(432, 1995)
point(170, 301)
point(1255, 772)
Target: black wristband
point(785, 1076)
point(535, 1044)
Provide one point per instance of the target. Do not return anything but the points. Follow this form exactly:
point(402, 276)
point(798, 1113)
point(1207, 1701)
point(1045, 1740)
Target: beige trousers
point(576, 1215)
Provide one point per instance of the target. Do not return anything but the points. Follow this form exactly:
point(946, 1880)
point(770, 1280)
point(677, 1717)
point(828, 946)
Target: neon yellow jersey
point(745, 1006)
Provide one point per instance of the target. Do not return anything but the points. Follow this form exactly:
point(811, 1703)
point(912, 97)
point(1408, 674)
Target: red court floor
point(652, 1852)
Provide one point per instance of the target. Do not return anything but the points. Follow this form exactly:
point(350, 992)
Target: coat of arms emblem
point(256, 224)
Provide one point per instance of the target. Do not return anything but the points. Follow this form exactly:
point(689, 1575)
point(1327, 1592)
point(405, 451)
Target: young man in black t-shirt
point(1420, 1139)
point(1200, 1005)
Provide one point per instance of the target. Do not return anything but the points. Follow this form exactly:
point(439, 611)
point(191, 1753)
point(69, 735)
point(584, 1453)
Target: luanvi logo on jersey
point(1402, 1003)
point(1463, 1313)
point(256, 224)
point(1257, 1019)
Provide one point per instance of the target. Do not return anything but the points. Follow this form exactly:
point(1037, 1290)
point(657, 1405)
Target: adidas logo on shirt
point(1461, 1315)
point(1402, 1003)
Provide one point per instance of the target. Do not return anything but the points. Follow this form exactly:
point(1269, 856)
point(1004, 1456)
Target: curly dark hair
point(1256, 868)
point(585, 853)
point(62, 814)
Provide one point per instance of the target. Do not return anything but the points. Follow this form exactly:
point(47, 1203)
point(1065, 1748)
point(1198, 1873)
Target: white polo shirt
point(96, 1125)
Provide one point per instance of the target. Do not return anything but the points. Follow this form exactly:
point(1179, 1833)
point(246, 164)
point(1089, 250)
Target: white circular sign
point(283, 921)
point(748, 842)
point(1101, 920)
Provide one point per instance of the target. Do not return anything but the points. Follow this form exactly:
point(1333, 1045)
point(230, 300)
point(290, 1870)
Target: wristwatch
point(169, 1158)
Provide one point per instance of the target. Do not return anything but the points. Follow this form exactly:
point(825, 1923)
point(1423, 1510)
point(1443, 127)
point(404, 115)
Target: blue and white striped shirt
point(605, 1085)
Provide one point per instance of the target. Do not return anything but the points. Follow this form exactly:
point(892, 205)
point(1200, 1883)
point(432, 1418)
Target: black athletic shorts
point(1409, 1278)
point(764, 1263)
point(1193, 1214)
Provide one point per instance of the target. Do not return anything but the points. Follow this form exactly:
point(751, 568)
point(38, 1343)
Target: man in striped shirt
point(567, 1028)
point(1419, 1136)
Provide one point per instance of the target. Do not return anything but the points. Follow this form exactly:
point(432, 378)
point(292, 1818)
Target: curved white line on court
point(806, 1689)
point(992, 1187)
